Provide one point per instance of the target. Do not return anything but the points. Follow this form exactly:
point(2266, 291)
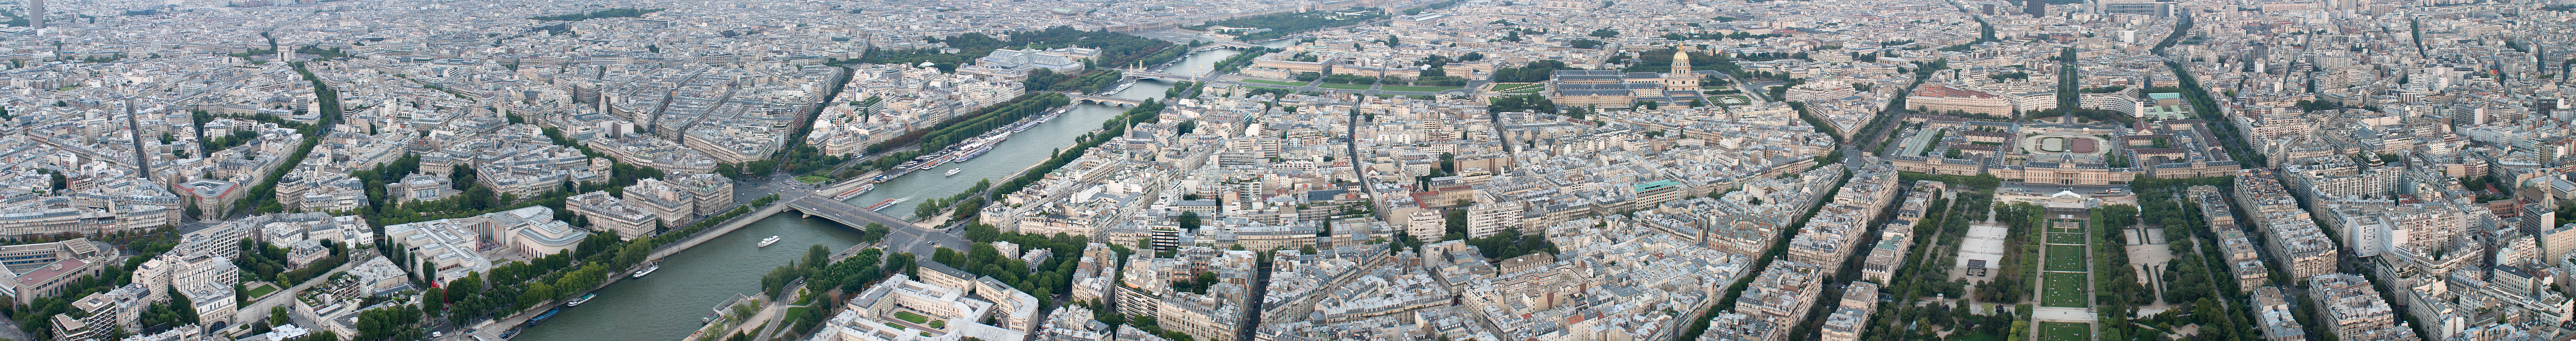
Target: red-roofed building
point(1942, 98)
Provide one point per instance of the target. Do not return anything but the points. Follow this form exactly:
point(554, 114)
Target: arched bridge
point(1224, 45)
point(1105, 100)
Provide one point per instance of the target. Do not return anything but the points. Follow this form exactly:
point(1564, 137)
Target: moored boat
point(541, 318)
point(863, 189)
point(648, 270)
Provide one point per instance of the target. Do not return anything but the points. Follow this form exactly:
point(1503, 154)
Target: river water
point(667, 304)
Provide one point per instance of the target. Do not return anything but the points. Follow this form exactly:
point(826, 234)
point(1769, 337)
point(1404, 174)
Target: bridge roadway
point(1159, 75)
point(737, 223)
point(1224, 45)
point(842, 212)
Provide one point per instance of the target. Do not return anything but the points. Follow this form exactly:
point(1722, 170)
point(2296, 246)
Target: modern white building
point(901, 309)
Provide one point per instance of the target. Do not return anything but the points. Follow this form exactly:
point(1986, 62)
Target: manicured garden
point(907, 316)
point(2066, 258)
point(2065, 238)
point(1518, 88)
point(1345, 86)
point(1275, 82)
point(2064, 289)
point(2065, 331)
point(2065, 281)
point(1417, 88)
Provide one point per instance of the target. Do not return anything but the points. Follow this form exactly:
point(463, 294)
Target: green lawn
point(2065, 238)
point(2065, 227)
point(1523, 91)
point(2065, 258)
point(2063, 289)
point(1275, 82)
point(2065, 331)
point(1506, 87)
point(1346, 86)
point(812, 179)
point(262, 290)
point(896, 326)
point(1417, 88)
point(939, 324)
point(911, 317)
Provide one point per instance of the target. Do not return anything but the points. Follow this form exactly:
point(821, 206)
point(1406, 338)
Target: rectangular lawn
point(2063, 289)
point(2065, 238)
point(1275, 82)
point(1416, 88)
point(2065, 331)
point(2065, 258)
point(1345, 86)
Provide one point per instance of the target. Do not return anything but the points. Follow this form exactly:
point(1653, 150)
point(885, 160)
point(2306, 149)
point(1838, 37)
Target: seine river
point(667, 304)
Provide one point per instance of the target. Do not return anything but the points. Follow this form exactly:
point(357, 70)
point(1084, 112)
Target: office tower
point(36, 13)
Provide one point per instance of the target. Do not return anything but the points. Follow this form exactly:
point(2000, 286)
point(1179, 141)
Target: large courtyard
point(2052, 144)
